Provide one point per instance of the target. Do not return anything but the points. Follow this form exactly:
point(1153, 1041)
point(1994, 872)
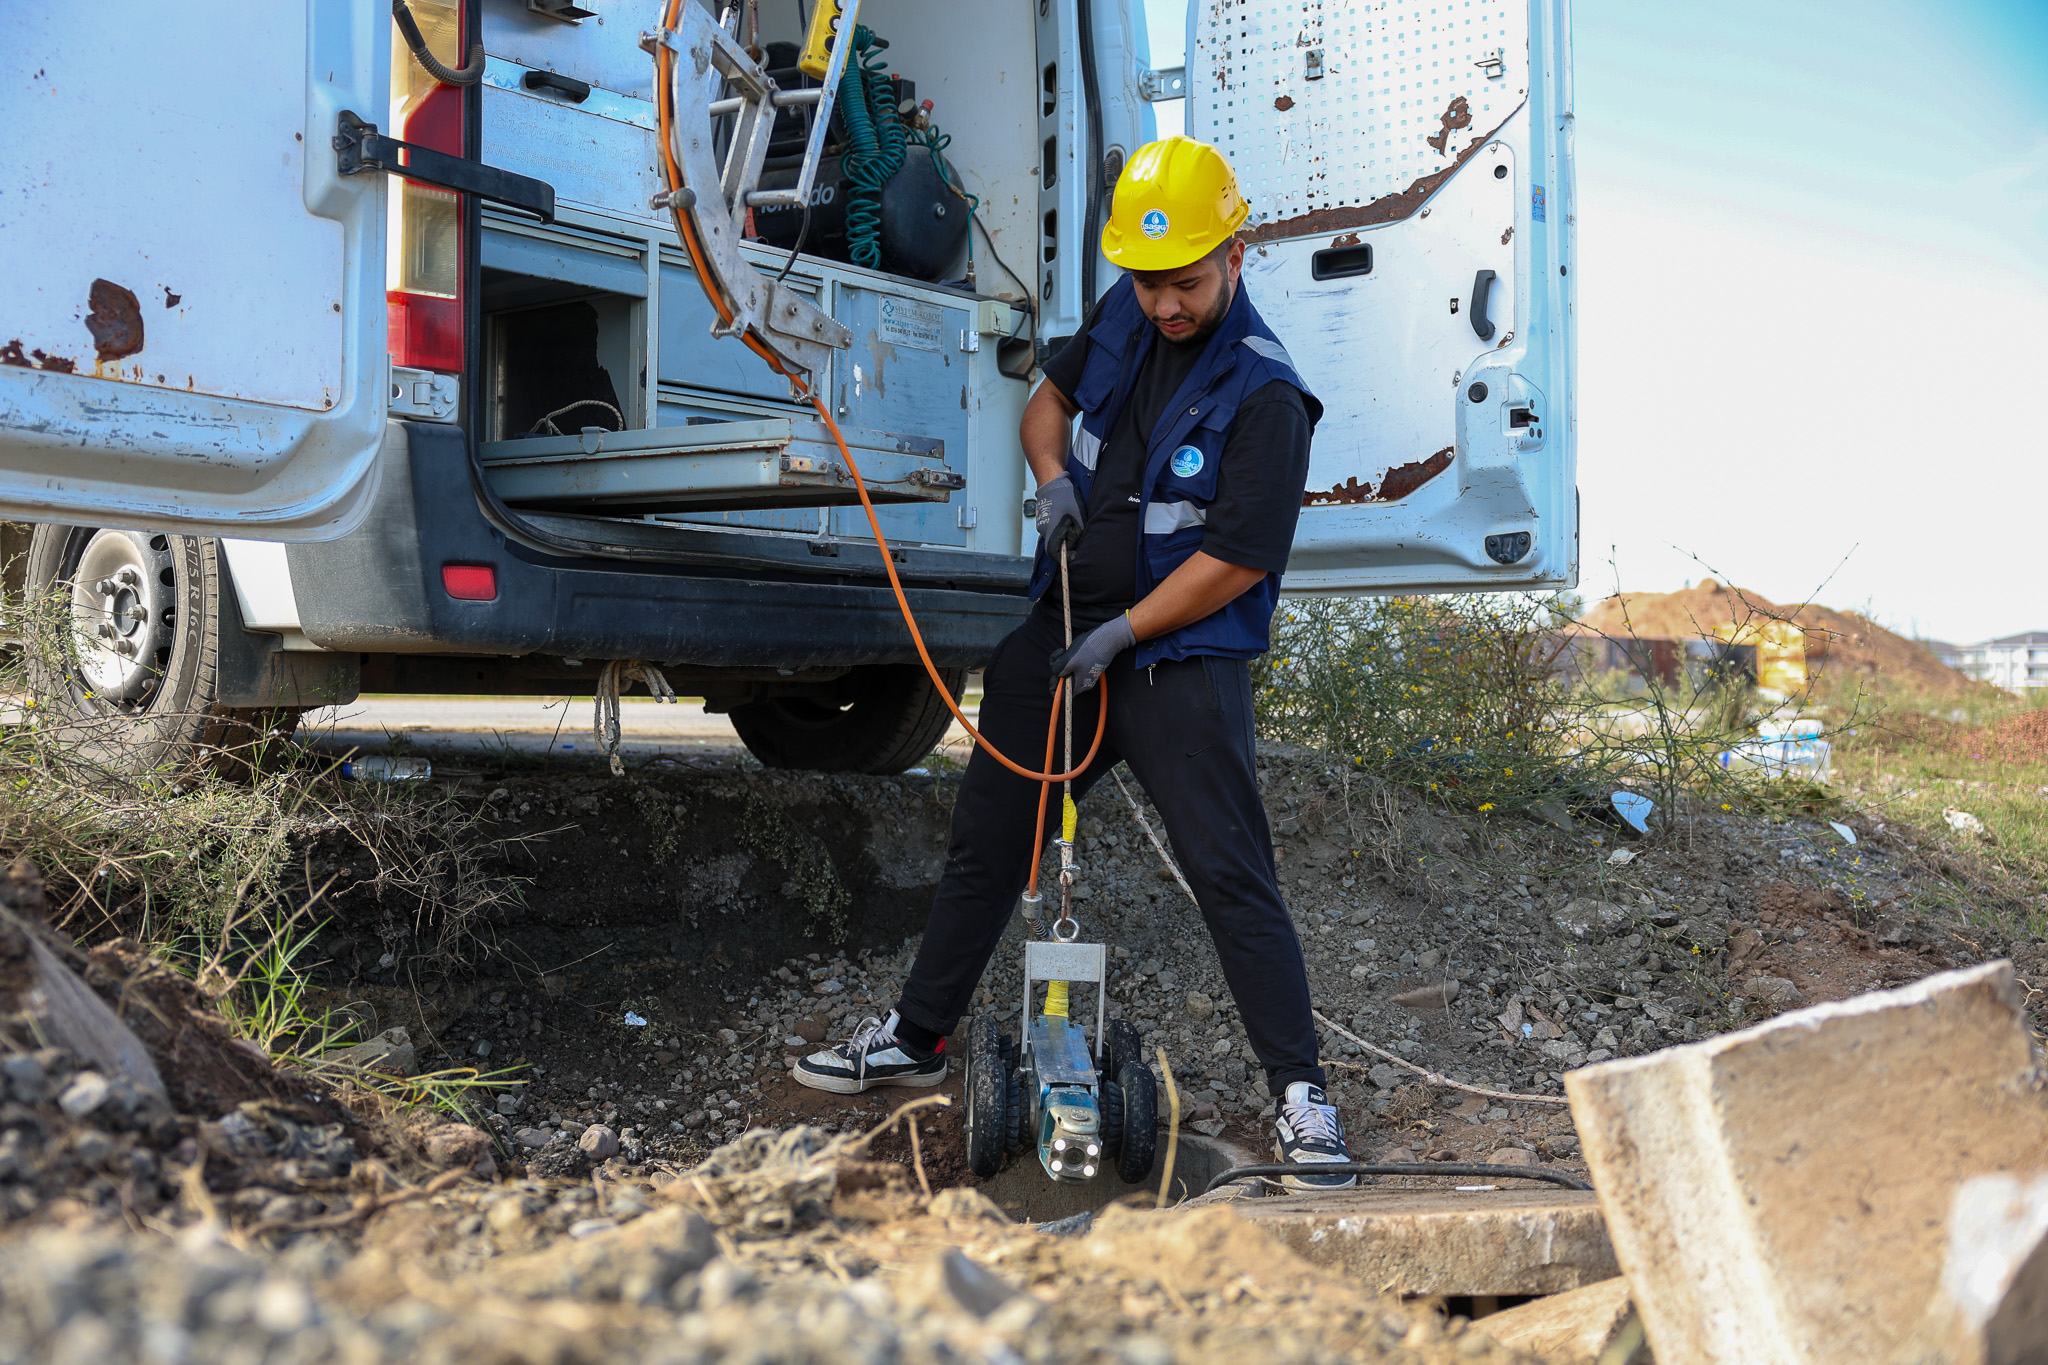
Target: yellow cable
point(1069, 817)
point(1056, 998)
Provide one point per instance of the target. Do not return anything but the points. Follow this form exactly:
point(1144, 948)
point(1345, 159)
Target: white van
point(293, 427)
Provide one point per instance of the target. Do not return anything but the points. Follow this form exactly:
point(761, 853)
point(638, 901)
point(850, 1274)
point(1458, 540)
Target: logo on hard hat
point(1154, 224)
point(1187, 462)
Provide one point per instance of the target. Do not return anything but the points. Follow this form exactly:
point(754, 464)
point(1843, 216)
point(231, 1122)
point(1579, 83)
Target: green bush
point(1485, 702)
point(1450, 695)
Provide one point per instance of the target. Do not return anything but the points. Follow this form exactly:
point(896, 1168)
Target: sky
point(1813, 302)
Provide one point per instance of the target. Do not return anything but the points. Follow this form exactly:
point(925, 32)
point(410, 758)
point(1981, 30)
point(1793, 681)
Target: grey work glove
point(1085, 659)
point(1059, 513)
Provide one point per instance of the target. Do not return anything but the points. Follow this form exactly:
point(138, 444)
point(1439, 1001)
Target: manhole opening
point(1023, 1190)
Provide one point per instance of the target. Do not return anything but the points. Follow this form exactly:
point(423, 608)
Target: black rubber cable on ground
point(1465, 1168)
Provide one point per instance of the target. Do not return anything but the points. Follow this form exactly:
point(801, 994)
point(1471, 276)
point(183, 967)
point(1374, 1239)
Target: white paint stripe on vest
point(1272, 350)
point(1087, 446)
point(1164, 518)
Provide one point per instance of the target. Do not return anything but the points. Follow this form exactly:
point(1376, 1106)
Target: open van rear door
point(192, 316)
point(1408, 165)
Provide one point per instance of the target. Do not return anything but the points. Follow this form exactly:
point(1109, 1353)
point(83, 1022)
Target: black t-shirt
point(1258, 485)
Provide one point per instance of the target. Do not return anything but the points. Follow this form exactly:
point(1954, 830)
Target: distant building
point(2013, 662)
point(1944, 651)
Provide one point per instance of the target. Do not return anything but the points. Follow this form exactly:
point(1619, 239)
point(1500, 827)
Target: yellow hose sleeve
point(1056, 998)
point(1069, 818)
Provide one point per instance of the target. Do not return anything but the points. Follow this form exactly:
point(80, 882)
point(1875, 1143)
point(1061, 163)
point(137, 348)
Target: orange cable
point(917, 636)
point(1052, 730)
point(665, 113)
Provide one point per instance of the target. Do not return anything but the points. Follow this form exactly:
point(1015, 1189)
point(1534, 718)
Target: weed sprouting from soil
point(259, 975)
point(177, 854)
point(814, 882)
point(663, 820)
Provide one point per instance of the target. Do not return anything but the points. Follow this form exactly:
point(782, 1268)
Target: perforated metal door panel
point(1326, 105)
point(1408, 168)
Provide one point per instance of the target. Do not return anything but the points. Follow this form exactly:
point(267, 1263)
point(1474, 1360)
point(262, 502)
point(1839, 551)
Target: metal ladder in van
point(711, 204)
point(726, 466)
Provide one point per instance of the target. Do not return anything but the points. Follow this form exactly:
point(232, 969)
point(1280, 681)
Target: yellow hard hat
point(1176, 202)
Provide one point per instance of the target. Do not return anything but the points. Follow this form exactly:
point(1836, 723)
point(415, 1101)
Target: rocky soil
point(1537, 948)
point(149, 1220)
point(647, 1183)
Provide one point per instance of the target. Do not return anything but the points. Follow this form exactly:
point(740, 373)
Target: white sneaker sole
point(848, 1085)
point(1296, 1183)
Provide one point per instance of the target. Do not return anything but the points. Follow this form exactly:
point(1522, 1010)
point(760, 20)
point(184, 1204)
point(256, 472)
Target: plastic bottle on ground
point(381, 769)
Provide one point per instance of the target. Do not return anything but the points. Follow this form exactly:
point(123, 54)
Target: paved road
point(529, 726)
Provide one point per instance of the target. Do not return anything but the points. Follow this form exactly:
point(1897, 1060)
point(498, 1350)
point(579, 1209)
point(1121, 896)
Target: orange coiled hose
point(664, 60)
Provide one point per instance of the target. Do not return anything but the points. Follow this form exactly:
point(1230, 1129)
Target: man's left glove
point(1085, 659)
point(1059, 515)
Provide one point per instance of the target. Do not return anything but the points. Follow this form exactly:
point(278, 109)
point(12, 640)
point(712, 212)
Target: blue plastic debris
point(1634, 808)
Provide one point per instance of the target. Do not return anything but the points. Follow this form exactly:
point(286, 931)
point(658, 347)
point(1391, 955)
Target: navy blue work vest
point(1242, 356)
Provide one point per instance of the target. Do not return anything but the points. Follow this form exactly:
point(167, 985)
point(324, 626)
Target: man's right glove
point(1085, 659)
point(1059, 513)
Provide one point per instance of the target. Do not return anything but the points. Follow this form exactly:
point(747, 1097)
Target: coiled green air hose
point(874, 144)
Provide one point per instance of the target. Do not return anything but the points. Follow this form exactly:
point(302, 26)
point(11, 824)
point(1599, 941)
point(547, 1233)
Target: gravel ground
point(660, 1190)
point(1535, 949)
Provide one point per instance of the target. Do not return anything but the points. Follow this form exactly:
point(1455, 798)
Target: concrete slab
point(1578, 1325)
point(1801, 1191)
point(1445, 1241)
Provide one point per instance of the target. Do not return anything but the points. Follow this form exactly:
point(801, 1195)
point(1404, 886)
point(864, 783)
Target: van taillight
point(470, 582)
point(423, 276)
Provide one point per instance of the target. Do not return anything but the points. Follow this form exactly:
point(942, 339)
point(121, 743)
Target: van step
point(715, 466)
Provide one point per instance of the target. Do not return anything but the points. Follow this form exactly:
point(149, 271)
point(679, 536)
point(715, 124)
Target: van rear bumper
point(380, 590)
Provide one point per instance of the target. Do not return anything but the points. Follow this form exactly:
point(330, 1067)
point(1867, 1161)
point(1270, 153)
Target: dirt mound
point(1901, 728)
point(782, 1246)
point(1838, 643)
point(2020, 739)
point(143, 1105)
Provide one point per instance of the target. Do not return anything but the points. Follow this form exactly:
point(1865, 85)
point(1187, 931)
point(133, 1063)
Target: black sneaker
point(1308, 1131)
point(870, 1058)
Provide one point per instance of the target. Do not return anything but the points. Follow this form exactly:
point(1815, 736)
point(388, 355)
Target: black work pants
point(1185, 729)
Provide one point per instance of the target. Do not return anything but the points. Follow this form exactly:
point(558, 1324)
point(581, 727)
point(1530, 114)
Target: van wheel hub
point(124, 620)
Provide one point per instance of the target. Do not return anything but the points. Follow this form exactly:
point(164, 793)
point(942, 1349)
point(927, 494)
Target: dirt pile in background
point(2021, 739)
point(1839, 644)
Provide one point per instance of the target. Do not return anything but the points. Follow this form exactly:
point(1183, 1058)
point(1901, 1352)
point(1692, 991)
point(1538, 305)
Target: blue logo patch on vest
point(1187, 462)
point(1154, 223)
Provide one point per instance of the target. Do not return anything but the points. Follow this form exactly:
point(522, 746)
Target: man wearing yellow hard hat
point(1177, 500)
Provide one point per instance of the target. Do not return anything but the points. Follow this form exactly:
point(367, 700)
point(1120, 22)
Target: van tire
point(885, 719)
point(162, 715)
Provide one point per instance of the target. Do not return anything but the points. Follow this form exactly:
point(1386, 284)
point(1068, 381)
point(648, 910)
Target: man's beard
point(1209, 322)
